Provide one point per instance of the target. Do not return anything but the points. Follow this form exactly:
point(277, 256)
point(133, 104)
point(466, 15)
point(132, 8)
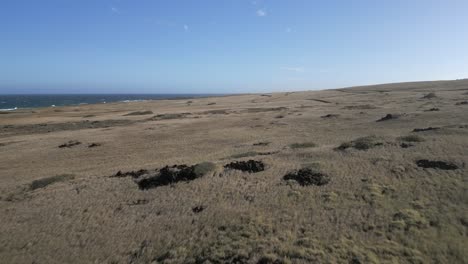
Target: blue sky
point(213, 46)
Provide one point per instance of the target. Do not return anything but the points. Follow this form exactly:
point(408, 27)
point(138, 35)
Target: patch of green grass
point(412, 138)
point(204, 168)
point(139, 113)
point(408, 218)
point(170, 116)
point(330, 197)
point(362, 143)
point(365, 143)
point(41, 183)
point(245, 154)
point(303, 145)
point(430, 96)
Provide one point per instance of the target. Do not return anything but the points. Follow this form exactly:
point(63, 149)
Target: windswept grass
point(303, 145)
point(136, 113)
point(362, 143)
point(412, 138)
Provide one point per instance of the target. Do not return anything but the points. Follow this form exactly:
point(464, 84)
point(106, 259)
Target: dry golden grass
point(379, 206)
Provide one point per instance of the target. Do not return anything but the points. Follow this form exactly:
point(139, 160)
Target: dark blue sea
point(12, 102)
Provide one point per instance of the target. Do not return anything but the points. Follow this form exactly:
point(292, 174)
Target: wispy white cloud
point(115, 10)
point(186, 28)
point(294, 69)
point(261, 12)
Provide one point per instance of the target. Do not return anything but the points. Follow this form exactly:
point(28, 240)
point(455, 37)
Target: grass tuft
point(362, 143)
point(139, 113)
point(412, 138)
point(303, 145)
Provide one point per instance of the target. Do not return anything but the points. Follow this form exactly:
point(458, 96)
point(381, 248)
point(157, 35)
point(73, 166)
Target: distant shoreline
point(12, 102)
point(107, 98)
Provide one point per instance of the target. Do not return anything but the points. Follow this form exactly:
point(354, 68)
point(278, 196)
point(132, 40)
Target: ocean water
point(13, 102)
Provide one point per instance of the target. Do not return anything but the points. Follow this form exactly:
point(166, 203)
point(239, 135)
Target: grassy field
point(357, 190)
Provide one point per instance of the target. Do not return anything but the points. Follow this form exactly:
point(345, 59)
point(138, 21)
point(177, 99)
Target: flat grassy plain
point(395, 191)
